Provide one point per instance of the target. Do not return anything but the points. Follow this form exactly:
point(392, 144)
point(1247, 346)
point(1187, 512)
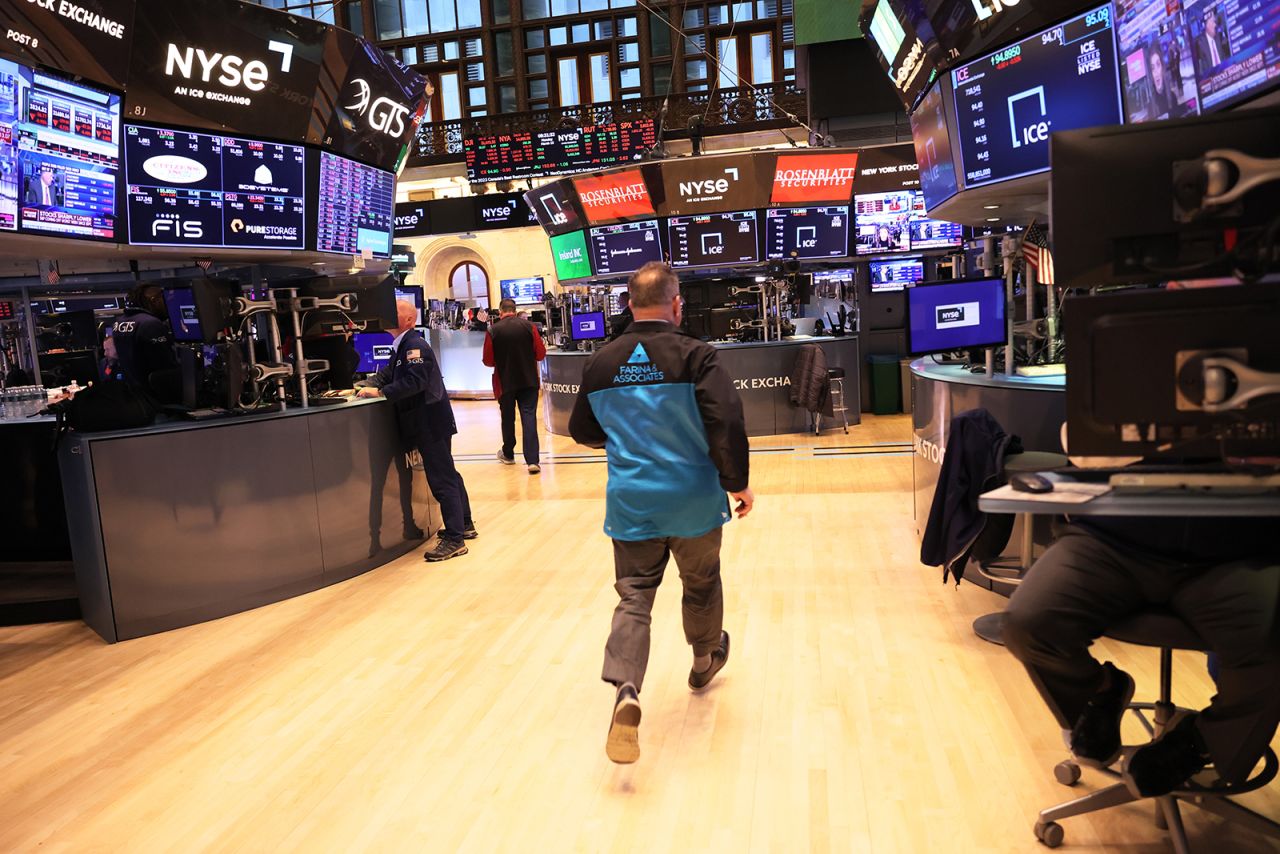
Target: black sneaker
point(1166, 763)
point(1095, 739)
point(623, 743)
point(445, 549)
point(720, 655)
point(414, 533)
point(469, 532)
point(504, 459)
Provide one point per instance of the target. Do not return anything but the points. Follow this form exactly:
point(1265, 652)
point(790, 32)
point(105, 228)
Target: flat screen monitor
point(203, 190)
point(624, 248)
point(556, 207)
point(711, 240)
point(526, 291)
point(569, 251)
point(412, 294)
point(932, 139)
point(807, 233)
point(1008, 103)
point(588, 327)
point(59, 156)
point(934, 233)
point(896, 275)
point(183, 316)
point(955, 316)
point(374, 349)
point(355, 208)
point(883, 222)
point(1197, 58)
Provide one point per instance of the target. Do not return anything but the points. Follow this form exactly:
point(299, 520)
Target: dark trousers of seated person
point(1081, 587)
point(638, 567)
point(527, 401)
point(446, 485)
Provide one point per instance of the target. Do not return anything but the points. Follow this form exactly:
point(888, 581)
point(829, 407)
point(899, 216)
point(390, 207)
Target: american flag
point(1035, 251)
point(50, 273)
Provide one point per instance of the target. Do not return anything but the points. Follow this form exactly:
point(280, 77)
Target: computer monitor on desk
point(1166, 373)
point(960, 315)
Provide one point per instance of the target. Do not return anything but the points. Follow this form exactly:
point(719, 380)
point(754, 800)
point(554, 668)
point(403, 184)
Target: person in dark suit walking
point(513, 347)
point(413, 382)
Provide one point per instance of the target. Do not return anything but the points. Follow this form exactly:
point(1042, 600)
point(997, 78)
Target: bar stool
point(835, 377)
point(1167, 632)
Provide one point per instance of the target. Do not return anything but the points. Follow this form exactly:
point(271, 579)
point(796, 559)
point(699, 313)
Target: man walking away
point(513, 348)
point(670, 420)
point(413, 382)
point(623, 319)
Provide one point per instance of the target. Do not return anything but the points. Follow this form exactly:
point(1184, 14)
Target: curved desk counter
point(761, 372)
point(184, 522)
point(1032, 408)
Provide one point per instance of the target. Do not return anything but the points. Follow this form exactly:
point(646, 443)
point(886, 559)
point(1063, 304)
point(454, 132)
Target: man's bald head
point(406, 315)
point(653, 285)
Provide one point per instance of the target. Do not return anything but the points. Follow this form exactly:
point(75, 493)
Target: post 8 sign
point(814, 178)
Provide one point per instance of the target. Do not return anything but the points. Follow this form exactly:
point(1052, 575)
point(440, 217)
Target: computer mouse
point(1026, 482)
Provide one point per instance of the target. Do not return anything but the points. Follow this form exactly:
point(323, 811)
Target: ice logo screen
point(1034, 126)
point(958, 315)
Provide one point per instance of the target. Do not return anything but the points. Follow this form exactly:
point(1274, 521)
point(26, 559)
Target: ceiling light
point(993, 219)
point(990, 207)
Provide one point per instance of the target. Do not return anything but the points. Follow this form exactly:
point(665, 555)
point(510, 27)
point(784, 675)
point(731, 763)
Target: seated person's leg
point(1233, 608)
point(1077, 589)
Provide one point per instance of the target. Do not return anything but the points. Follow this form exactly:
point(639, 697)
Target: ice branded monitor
point(932, 139)
point(556, 207)
point(807, 233)
point(1007, 104)
point(204, 190)
point(355, 208)
point(955, 316)
point(625, 247)
point(59, 155)
point(711, 240)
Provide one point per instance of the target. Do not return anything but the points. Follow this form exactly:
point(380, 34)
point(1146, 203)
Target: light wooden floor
point(458, 707)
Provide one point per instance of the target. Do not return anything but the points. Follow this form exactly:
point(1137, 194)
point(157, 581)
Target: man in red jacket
point(513, 348)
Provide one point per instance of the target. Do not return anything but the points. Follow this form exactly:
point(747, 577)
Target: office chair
point(1167, 632)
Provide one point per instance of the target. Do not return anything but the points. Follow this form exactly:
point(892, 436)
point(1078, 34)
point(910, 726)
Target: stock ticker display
point(557, 152)
point(1008, 103)
point(712, 240)
point(356, 208)
point(195, 189)
point(817, 232)
point(624, 248)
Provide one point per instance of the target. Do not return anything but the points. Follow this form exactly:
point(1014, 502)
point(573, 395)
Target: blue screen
point(1008, 103)
point(588, 326)
point(374, 349)
point(181, 306)
point(955, 316)
point(895, 275)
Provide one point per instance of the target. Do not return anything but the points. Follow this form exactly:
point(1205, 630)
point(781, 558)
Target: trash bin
point(906, 385)
point(886, 385)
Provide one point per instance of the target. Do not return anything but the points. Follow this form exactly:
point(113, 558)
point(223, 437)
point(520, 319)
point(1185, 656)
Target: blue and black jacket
point(668, 416)
point(413, 383)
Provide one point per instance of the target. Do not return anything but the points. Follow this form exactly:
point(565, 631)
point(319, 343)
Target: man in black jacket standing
point(144, 345)
point(413, 382)
point(667, 413)
point(513, 347)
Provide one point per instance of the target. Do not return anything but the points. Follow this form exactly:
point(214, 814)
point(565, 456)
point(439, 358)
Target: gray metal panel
point(199, 524)
point(561, 379)
point(81, 501)
point(365, 492)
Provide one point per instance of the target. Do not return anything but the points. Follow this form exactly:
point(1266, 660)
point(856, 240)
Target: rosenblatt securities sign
point(813, 179)
point(614, 196)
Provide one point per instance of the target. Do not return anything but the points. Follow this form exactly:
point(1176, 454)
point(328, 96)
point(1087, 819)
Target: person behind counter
point(413, 382)
point(619, 322)
point(145, 350)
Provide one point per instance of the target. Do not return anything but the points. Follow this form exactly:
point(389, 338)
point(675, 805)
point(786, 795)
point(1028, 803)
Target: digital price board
point(356, 208)
point(711, 240)
point(1008, 103)
point(531, 154)
point(624, 248)
point(818, 232)
point(59, 155)
point(196, 189)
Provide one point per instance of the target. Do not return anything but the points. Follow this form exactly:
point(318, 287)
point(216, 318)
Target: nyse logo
point(1034, 131)
point(708, 189)
point(385, 115)
point(405, 221)
point(232, 70)
point(176, 227)
point(499, 214)
point(959, 315)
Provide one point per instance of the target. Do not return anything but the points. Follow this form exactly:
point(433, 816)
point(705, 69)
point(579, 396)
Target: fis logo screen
point(955, 316)
point(1008, 103)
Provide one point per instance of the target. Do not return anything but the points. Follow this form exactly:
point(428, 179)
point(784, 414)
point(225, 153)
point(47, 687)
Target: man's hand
point(746, 500)
point(369, 392)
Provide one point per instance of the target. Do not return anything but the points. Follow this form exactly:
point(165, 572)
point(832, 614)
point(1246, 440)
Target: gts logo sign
point(176, 227)
point(231, 70)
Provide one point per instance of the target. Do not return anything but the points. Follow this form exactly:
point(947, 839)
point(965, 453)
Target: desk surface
point(931, 370)
point(1195, 504)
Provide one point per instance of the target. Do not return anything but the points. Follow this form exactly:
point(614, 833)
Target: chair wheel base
point(1049, 833)
point(990, 628)
point(1067, 773)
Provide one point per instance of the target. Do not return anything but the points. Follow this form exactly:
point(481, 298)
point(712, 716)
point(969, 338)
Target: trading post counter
point(761, 372)
point(184, 522)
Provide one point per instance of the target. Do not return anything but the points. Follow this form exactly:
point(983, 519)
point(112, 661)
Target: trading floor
point(458, 706)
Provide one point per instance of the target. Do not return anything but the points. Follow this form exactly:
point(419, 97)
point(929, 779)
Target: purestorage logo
point(956, 316)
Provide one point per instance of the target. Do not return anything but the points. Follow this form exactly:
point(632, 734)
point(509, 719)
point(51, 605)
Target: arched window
point(469, 281)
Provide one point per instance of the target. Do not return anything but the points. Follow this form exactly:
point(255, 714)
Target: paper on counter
point(1063, 493)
